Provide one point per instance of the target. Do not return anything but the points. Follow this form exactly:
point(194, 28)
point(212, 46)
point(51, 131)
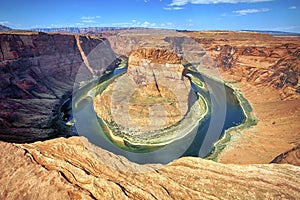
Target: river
point(224, 112)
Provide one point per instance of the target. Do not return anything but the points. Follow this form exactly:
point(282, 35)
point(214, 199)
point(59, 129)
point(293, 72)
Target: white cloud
point(135, 23)
point(250, 11)
point(55, 25)
point(5, 22)
point(88, 21)
point(132, 23)
point(10, 24)
point(173, 8)
point(148, 24)
point(184, 2)
point(145, 24)
point(90, 17)
point(292, 7)
point(79, 24)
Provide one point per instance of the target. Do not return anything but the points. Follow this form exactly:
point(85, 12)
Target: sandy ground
point(277, 130)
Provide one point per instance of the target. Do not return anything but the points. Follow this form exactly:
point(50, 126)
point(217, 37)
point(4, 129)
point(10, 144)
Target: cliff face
point(257, 59)
point(290, 157)
point(37, 71)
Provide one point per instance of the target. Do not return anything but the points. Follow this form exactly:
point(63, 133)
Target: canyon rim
point(39, 72)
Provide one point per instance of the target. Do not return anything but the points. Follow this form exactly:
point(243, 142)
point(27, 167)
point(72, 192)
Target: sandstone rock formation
point(290, 157)
point(259, 59)
point(74, 169)
point(37, 71)
point(151, 97)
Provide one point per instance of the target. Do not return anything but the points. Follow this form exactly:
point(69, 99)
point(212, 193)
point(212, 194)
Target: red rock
point(42, 68)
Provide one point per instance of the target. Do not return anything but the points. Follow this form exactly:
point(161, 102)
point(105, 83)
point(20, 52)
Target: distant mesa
point(84, 30)
point(105, 30)
point(4, 28)
point(274, 33)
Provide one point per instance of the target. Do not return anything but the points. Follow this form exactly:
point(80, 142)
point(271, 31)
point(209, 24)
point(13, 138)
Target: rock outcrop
point(152, 96)
point(37, 71)
point(74, 169)
point(290, 157)
point(259, 59)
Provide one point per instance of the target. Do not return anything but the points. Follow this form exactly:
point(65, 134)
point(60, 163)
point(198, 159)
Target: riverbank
point(182, 129)
point(277, 129)
point(250, 120)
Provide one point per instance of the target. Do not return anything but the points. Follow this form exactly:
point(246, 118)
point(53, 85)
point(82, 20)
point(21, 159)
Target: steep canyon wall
point(37, 71)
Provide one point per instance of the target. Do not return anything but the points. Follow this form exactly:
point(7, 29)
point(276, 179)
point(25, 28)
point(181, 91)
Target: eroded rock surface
point(258, 59)
point(87, 172)
point(290, 157)
point(37, 71)
point(154, 78)
point(22, 178)
point(153, 95)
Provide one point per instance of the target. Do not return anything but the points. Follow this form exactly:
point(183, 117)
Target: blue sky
point(278, 15)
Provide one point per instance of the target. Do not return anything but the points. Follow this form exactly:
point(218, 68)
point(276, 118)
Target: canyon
point(263, 68)
point(39, 71)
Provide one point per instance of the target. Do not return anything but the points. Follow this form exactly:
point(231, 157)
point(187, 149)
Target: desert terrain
point(39, 160)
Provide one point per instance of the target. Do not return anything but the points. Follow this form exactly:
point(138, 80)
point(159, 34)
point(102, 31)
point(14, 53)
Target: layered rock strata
point(290, 157)
point(37, 71)
point(150, 98)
